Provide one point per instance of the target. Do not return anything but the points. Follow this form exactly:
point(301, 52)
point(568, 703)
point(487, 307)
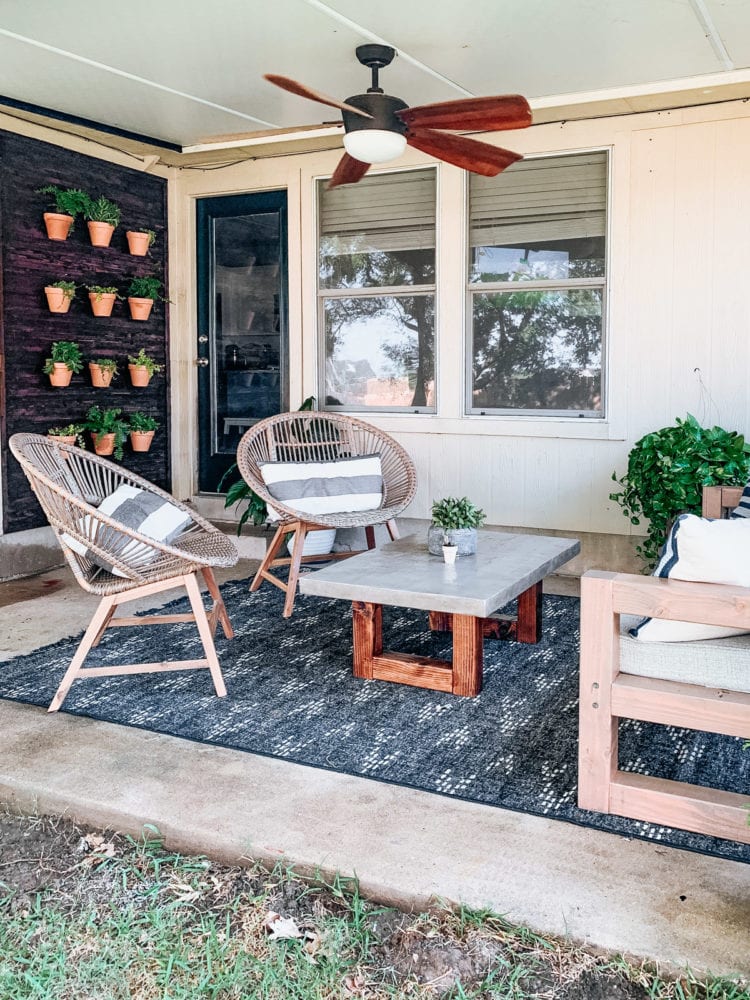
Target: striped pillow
point(705, 551)
point(336, 487)
point(743, 507)
point(140, 511)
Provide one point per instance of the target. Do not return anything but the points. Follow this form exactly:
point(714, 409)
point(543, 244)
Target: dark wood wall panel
point(30, 261)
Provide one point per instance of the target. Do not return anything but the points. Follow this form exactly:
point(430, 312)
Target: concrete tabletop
point(404, 574)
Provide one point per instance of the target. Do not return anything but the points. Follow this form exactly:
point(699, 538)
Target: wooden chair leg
point(300, 533)
point(93, 633)
point(600, 653)
point(204, 630)
point(219, 606)
point(105, 626)
point(370, 536)
point(278, 540)
point(392, 529)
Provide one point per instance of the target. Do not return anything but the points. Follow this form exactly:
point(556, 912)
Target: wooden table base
point(525, 627)
point(462, 676)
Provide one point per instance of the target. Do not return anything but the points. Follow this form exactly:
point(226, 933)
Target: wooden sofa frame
point(607, 695)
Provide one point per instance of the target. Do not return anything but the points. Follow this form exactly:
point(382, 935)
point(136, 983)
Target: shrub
point(667, 470)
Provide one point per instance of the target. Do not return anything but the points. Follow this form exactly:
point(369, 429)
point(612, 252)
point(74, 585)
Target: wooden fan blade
point(492, 114)
point(302, 91)
point(348, 171)
point(479, 157)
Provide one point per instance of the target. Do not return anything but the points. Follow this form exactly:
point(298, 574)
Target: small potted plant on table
point(142, 367)
point(68, 204)
point(102, 216)
point(64, 361)
point(142, 429)
point(142, 294)
point(102, 299)
point(59, 295)
point(454, 520)
point(140, 241)
point(69, 434)
point(108, 430)
point(102, 371)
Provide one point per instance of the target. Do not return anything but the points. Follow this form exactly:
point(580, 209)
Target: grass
point(104, 917)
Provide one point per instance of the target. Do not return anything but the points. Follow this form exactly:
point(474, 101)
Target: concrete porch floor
point(635, 897)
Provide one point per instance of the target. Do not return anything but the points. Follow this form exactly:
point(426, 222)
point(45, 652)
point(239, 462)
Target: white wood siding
point(678, 300)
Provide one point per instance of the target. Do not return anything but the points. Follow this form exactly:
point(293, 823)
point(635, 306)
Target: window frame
point(377, 291)
point(602, 283)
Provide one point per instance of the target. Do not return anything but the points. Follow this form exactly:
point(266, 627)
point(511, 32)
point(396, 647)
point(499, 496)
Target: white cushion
point(722, 662)
point(705, 551)
point(139, 510)
point(336, 487)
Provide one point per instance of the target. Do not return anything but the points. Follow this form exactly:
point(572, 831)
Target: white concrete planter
point(465, 540)
point(317, 543)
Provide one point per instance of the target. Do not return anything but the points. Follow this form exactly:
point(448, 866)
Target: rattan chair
point(70, 483)
point(316, 437)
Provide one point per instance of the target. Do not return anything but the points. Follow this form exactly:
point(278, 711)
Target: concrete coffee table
point(460, 598)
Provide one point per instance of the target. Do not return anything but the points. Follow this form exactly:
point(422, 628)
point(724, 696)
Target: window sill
point(580, 428)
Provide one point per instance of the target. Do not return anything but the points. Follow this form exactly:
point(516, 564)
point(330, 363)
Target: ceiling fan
point(379, 127)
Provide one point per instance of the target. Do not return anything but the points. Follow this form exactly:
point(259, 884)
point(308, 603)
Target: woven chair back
point(316, 437)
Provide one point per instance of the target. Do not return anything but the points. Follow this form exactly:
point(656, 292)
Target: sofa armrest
point(654, 597)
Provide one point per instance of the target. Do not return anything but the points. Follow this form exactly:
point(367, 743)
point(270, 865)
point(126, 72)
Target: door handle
point(201, 362)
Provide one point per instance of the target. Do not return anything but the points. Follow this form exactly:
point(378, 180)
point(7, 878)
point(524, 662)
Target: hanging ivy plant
point(667, 470)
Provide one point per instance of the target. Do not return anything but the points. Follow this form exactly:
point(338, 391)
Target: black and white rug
point(291, 694)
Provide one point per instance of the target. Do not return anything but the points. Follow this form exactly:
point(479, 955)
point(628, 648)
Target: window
point(376, 269)
point(536, 287)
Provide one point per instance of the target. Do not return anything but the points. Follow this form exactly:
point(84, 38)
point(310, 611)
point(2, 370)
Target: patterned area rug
point(291, 695)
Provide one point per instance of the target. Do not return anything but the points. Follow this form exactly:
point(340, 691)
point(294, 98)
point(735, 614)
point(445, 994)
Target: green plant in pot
point(68, 204)
point(102, 216)
point(667, 470)
point(102, 299)
point(142, 368)
point(140, 241)
point(454, 521)
point(65, 360)
point(142, 428)
point(239, 492)
point(102, 370)
point(68, 434)
point(59, 295)
point(108, 430)
point(142, 293)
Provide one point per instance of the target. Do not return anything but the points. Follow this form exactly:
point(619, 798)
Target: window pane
point(537, 350)
point(380, 351)
point(543, 218)
point(379, 232)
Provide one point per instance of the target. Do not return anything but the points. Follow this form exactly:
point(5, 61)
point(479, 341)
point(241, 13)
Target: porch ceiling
point(181, 70)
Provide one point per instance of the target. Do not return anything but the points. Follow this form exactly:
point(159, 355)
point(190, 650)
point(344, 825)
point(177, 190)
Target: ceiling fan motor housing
point(383, 109)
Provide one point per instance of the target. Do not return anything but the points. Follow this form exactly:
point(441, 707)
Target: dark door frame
point(212, 467)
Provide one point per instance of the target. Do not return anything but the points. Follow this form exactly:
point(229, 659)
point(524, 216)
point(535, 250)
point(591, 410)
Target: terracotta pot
point(100, 233)
point(100, 377)
point(102, 303)
point(63, 438)
point(61, 376)
point(57, 300)
point(58, 226)
point(141, 440)
point(104, 444)
point(138, 243)
point(139, 375)
point(140, 308)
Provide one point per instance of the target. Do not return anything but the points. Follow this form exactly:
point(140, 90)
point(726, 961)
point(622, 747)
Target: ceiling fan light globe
point(374, 145)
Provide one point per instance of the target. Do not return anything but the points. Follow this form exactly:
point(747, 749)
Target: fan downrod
point(375, 57)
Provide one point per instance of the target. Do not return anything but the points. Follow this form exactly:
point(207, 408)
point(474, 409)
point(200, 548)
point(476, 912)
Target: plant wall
point(27, 328)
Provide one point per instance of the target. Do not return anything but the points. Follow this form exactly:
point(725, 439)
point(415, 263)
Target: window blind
point(383, 212)
point(538, 201)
